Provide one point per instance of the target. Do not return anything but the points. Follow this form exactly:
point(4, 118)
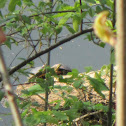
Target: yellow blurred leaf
point(102, 30)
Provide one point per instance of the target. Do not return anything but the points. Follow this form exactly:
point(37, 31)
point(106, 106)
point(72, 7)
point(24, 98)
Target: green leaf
point(50, 79)
point(101, 107)
point(45, 28)
point(36, 89)
point(97, 85)
point(102, 44)
point(12, 40)
point(26, 19)
point(110, 3)
point(64, 7)
point(7, 18)
point(1, 15)
point(1, 94)
point(8, 43)
point(29, 120)
point(88, 36)
point(66, 80)
point(36, 104)
point(58, 29)
point(28, 2)
point(67, 88)
point(31, 64)
point(68, 102)
point(24, 31)
point(103, 2)
point(91, 1)
point(98, 9)
point(57, 104)
point(76, 4)
point(76, 22)
point(59, 15)
point(84, 14)
point(23, 71)
point(2, 3)
point(78, 105)
point(112, 57)
point(109, 24)
point(70, 29)
point(60, 115)
point(86, 123)
point(13, 4)
point(74, 73)
point(77, 83)
point(10, 25)
point(64, 19)
point(101, 84)
point(91, 12)
point(72, 114)
point(24, 104)
point(23, 114)
point(105, 70)
point(88, 69)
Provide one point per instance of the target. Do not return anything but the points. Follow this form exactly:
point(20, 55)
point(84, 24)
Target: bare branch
point(49, 49)
point(9, 92)
point(86, 115)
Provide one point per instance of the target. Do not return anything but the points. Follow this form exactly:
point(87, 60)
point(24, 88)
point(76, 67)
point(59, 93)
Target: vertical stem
point(9, 92)
point(48, 63)
point(110, 98)
point(46, 96)
point(81, 27)
point(48, 55)
point(49, 40)
point(111, 73)
point(114, 14)
point(121, 63)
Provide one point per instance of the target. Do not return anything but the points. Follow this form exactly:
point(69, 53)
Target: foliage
point(48, 20)
point(73, 106)
point(24, 24)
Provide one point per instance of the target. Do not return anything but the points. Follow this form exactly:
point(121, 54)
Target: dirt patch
point(87, 94)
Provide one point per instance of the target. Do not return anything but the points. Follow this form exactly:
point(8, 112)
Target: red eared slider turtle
point(60, 69)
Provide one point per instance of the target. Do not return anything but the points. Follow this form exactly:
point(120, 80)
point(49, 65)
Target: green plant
point(49, 20)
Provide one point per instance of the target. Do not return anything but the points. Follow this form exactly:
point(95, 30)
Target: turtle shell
point(60, 69)
point(35, 72)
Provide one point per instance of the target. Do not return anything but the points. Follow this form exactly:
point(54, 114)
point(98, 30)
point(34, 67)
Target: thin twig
point(86, 115)
point(48, 49)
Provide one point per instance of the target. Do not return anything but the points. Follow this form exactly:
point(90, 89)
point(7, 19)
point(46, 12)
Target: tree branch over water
point(49, 49)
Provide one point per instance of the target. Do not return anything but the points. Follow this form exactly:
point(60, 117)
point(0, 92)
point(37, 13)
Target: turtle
point(61, 69)
point(40, 72)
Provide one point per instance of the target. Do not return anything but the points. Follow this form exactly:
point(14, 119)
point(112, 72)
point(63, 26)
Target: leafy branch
point(49, 49)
